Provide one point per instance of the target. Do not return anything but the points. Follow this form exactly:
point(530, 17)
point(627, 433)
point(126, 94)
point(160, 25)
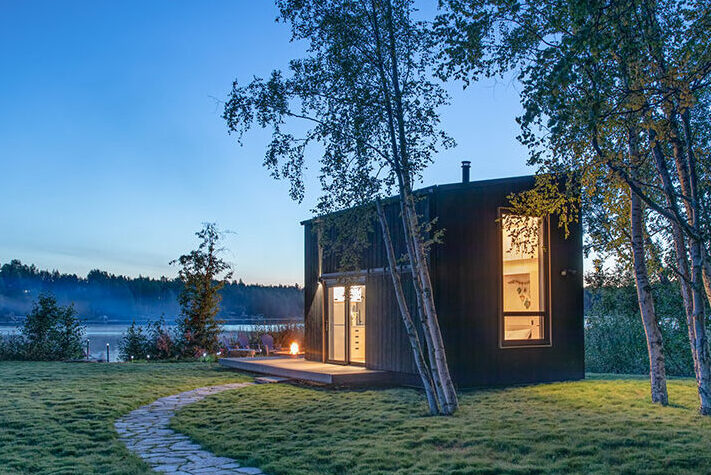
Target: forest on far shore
point(104, 297)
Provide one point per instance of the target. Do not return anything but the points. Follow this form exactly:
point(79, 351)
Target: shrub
point(614, 335)
point(134, 343)
point(52, 332)
point(153, 342)
point(12, 347)
point(161, 343)
point(69, 333)
point(203, 273)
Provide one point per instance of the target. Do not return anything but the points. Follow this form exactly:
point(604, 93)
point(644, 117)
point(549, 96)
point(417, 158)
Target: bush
point(152, 342)
point(162, 345)
point(51, 332)
point(12, 347)
point(614, 336)
point(133, 344)
point(157, 341)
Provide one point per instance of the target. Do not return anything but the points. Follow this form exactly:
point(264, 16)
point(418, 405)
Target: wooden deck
point(299, 368)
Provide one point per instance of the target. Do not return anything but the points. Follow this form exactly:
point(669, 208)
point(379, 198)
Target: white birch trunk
point(424, 322)
point(657, 371)
point(680, 249)
point(421, 272)
point(699, 314)
point(687, 190)
point(410, 329)
point(443, 385)
point(416, 251)
point(697, 320)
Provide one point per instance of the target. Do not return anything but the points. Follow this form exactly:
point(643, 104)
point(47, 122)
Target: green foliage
point(59, 418)
point(203, 274)
point(12, 347)
point(154, 341)
point(346, 236)
point(50, 332)
point(163, 343)
point(69, 333)
point(602, 84)
point(614, 335)
point(367, 73)
point(600, 425)
point(134, 343)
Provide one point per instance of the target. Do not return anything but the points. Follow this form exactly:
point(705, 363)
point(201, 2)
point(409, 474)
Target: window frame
point(547, 339)
point(359, 278)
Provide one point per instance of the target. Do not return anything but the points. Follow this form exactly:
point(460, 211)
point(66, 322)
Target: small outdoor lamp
point(107, 353)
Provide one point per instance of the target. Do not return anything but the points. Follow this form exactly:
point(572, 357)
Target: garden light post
point(87, 348)
point(107, 353)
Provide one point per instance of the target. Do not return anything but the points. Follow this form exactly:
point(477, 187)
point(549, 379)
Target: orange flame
point(294, 348)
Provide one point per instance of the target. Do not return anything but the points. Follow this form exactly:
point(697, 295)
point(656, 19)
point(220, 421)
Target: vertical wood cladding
point(313, 297)
point(465, 272)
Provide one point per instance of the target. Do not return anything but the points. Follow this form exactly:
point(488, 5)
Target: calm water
point(101, 334)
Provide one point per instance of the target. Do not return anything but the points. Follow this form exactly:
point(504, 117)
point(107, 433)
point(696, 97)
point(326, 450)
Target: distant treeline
point(101, 296)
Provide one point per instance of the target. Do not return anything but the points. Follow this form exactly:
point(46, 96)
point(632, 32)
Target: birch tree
point(364, 98)
point(606, 90)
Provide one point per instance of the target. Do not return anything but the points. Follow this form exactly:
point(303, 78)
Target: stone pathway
point(145, 432)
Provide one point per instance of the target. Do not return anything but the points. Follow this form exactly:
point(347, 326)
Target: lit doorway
point(346, 324)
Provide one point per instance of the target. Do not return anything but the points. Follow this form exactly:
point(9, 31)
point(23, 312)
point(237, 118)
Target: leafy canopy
point(338, 99)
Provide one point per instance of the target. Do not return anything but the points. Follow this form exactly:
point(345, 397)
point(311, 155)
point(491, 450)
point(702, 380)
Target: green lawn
point(599, 425)
point(58, 417)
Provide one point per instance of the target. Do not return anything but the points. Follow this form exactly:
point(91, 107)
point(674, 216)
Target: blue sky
point(113, 152)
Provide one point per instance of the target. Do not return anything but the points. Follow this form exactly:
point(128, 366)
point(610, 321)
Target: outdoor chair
point(267, 344)
point(242, 348)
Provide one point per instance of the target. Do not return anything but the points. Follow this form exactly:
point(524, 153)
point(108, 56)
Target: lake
point(101, 334)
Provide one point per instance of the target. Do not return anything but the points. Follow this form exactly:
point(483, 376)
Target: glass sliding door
point(346, 324)
point(356, 306)
point(337, 324)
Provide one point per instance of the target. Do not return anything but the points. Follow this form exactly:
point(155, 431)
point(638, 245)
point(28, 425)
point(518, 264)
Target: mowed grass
point(600, 425)
point(58, 417)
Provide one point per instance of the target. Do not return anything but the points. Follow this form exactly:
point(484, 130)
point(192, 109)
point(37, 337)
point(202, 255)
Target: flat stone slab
point(145, 432)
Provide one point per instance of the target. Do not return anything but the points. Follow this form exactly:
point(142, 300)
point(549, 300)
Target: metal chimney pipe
point(466, 165)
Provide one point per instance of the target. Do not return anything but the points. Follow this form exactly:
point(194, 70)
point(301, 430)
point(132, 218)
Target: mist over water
point(101, 297)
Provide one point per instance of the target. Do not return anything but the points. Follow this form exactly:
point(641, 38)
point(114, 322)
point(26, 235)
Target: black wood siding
point(374, 256)
point(386, 344)
point(465, 273)
point(387, 347)
point(313, 298)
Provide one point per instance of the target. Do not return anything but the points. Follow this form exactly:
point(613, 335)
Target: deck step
point(270, 379)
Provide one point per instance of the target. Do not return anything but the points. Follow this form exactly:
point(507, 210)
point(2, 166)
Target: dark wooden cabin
point(507, 316)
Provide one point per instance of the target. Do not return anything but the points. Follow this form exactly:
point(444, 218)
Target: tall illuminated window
point(524, 281)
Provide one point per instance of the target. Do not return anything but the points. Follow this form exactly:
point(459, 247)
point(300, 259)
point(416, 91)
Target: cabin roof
point(446, 187)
